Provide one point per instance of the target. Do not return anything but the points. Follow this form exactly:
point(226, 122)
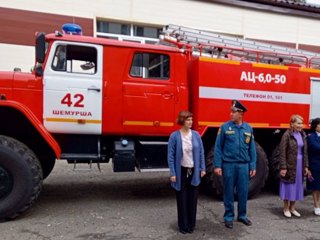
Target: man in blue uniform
point(235, 160)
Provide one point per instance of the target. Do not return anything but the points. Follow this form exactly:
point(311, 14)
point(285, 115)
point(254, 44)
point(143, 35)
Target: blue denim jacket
point(235, 144)
point(175, 156)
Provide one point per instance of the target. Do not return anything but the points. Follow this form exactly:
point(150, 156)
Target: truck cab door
point(73, 88)
point(149, 95)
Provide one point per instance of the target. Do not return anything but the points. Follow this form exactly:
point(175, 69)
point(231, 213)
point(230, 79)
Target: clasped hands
point(307, 172)
point(174, 178)
point(218, 172)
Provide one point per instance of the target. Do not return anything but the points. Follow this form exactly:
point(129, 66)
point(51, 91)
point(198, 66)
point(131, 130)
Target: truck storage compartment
point(153, 155)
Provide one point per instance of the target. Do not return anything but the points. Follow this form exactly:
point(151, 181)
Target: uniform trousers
point(235, 176)
point(187, 201)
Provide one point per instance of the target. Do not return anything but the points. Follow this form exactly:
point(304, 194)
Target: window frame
point(131, 37)
point(143, 77)
point(65, 70)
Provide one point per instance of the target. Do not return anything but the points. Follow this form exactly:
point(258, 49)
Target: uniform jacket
point(288, 155)
point(235, 144)
point(175, 154)
point(313, 149)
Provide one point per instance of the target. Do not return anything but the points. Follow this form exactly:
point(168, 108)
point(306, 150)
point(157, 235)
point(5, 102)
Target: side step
point(75, 158)
point(80, 157)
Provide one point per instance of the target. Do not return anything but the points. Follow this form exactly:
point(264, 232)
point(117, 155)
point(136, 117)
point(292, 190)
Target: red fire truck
point(89, 100)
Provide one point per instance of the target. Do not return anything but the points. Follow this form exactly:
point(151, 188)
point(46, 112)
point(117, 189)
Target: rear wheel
point(215, 183)
point(274, 163)
point(257, 183)
point(20, 178)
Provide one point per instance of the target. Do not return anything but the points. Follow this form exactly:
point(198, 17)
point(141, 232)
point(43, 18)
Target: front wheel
point(20, 178)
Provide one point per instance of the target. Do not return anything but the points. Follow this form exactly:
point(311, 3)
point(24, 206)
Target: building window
point(149, 32)
point(115, 28)
point(128, 32)
point(150, 65)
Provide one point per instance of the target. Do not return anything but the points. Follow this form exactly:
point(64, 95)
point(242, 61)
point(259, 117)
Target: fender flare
point(35, 122)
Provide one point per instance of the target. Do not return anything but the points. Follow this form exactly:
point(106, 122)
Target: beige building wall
point(203, 15)
point(19, 56)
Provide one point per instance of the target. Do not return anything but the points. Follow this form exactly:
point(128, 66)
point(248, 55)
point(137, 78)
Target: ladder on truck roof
point(216, 45)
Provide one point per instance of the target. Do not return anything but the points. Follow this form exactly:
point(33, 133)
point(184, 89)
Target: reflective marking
point(311, 70)
point(72, 120)
point(269, 66)
point(259, 124)
point(220, 123)
point(138, 123)
point(218, 60)
point(253, 95)
point(147, 123)
point(210, 123)
point(166, 124)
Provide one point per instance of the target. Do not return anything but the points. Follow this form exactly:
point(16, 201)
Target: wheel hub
point(6, 183)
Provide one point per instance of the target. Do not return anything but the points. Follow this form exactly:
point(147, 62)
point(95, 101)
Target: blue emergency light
point(72, 29)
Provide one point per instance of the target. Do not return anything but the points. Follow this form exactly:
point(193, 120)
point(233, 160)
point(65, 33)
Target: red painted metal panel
point(271, 93)
point(35, 122)
point(27, 89)
point(137, 106)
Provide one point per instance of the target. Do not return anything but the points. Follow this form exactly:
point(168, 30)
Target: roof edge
point(280, 7)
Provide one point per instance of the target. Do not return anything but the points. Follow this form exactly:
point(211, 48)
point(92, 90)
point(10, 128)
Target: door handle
point(167, 95)
point(92, 88)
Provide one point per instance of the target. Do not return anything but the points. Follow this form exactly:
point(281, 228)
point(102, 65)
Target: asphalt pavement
point(114, 206)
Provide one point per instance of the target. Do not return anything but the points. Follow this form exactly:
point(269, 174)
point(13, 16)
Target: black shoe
point(229, 224)
point(190, 230)
point(183, 231)
point(245, 221)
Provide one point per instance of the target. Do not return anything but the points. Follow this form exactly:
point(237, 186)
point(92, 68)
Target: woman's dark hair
point(314, 124)
point(183, 116)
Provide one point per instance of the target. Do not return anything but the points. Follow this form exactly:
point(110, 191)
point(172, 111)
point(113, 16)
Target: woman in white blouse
point(187, 166)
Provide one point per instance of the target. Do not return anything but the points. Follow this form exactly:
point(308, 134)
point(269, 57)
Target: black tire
point(274, 165)
point(214, 183)
point(255, 184)
point(21, 176)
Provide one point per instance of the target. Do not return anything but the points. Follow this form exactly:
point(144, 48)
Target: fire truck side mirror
point(38, 70)
point(40, 47)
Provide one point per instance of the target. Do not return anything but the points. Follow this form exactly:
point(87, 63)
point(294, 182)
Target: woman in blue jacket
point(313, 182)
point(187, 166)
